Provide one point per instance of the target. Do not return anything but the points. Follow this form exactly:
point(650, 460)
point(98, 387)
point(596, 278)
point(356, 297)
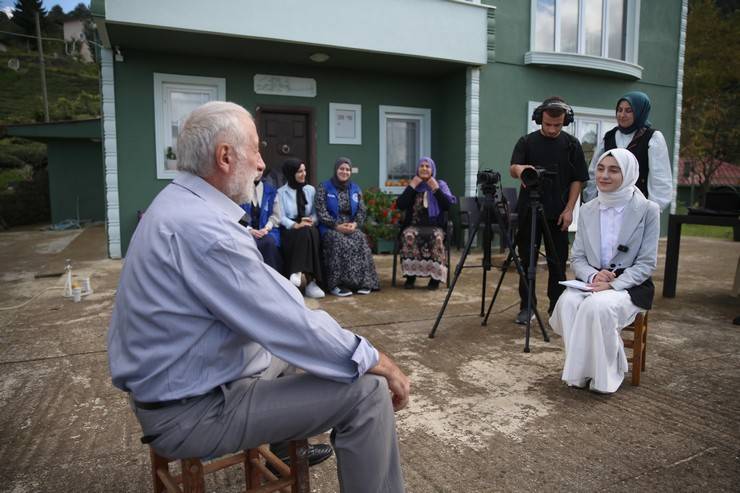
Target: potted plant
point(383, 218)
point(171, 159)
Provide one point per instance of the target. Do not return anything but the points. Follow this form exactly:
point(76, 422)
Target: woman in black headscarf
point(299, 234)
point(348, 262)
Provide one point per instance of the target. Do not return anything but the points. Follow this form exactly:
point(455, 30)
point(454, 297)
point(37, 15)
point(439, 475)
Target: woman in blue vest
point(299, 234)
point(348, 262)
point(635, 133)
point(264, 220)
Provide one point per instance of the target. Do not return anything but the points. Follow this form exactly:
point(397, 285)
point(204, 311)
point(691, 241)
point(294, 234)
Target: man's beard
point(240, 188)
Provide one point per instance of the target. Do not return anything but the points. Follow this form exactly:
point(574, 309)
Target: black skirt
point(301, 251)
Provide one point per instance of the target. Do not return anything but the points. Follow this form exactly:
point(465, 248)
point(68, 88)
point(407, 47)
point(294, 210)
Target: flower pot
point(383, 246)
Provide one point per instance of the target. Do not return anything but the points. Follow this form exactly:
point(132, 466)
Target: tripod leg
point(458, 271)
point(487, 239)
point(504, 268)
point(531, 273)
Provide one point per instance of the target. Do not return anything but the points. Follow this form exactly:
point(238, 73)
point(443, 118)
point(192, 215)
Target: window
point(589, 127)
point(175, 96)
point(405, 136)
point(345, 123)
point(606, 31)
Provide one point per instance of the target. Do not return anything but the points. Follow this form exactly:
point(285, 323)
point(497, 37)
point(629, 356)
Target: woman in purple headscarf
point(424, 201)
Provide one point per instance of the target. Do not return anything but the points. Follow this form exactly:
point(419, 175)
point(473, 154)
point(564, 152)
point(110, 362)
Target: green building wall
point(137, 181)
point(76, 180)
point(507, 85)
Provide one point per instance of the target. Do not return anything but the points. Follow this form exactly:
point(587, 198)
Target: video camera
point(487, 180)
point(533, 177)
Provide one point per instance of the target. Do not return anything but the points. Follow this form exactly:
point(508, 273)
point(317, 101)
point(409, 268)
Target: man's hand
point(566, 217)
point(415, 181)
point(398, 383)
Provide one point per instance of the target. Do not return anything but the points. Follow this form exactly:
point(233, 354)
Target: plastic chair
point(469, 215)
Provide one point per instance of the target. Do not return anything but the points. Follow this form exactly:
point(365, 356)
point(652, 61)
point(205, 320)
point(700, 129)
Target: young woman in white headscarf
point(615, 253)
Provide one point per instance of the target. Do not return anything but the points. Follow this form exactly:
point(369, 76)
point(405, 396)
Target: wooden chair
point(638, 343)
point(259, 479)
point(397, 248)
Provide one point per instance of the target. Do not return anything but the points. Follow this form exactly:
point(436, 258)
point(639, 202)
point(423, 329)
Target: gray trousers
point(251, 411)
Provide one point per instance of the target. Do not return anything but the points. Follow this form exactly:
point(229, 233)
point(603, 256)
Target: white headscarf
point(630, 172)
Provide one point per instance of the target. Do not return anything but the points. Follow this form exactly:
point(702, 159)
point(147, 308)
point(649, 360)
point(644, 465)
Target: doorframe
point(312, 165)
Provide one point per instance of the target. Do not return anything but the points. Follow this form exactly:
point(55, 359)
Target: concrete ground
point(484, 416)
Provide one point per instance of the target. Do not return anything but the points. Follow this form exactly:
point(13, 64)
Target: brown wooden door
point(285, 134)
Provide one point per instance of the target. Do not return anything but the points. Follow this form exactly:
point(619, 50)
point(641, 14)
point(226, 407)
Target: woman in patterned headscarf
point(635, 133)
point(347, 260)
point(424, 200)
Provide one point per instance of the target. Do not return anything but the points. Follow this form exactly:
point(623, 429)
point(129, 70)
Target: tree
point(24, 13)
point(711, 103)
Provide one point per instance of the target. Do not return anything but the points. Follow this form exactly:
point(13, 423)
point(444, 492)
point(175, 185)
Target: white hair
point(208, 125)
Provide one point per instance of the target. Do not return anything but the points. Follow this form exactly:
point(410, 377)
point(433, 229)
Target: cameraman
point(560, 156)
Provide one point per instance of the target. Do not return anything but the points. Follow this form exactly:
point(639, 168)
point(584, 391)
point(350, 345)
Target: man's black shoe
point(316, 453)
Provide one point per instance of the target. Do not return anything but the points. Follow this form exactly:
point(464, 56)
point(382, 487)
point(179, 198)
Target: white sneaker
point(295, 278)
point(314, 291)
point(364, 291)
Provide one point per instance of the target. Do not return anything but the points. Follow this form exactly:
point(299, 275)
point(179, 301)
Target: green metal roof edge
point(74, 129)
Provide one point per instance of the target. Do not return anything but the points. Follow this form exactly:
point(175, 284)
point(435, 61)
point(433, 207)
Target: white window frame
point(628, 67)
point(606, 120)
point(334, 108)
point(423, 115)
point(160, 112)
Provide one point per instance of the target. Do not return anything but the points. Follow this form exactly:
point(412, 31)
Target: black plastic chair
point(469, 216)
point(511, 199)
point(397, 248)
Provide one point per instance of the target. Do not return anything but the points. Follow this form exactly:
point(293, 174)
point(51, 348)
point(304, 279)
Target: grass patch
point(721, 232)
point(20, 97)
point(8, 176)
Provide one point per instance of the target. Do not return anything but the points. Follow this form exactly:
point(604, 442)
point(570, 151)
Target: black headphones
point(553, 104)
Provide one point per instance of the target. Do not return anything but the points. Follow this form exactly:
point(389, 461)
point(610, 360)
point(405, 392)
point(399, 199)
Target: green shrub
point(27, 203)
point(9, 161)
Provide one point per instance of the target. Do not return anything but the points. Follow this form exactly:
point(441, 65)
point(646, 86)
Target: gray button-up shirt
point(197, 307)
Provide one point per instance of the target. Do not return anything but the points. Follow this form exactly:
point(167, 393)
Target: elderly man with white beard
point(201, 326)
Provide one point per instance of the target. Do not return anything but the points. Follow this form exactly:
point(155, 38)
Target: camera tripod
point(490, 209)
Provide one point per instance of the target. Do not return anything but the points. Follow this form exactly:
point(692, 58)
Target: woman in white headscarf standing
point(615, 252)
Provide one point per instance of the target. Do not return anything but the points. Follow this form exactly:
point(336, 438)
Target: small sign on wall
point(345, 123)
point(282, 85)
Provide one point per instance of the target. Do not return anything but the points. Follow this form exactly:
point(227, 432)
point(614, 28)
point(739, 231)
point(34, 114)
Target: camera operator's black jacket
point(405, 202)
point(562, 155)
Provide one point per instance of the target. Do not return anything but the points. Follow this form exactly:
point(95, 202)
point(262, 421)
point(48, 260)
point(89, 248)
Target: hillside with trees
point(73, 93)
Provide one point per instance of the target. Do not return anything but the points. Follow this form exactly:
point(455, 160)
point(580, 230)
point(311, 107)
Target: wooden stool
point(638, 343)
point(259, 478)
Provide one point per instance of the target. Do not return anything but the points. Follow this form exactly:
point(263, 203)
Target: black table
point(674, 242)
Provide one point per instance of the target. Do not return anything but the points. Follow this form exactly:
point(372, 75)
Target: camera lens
point(530, 177)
